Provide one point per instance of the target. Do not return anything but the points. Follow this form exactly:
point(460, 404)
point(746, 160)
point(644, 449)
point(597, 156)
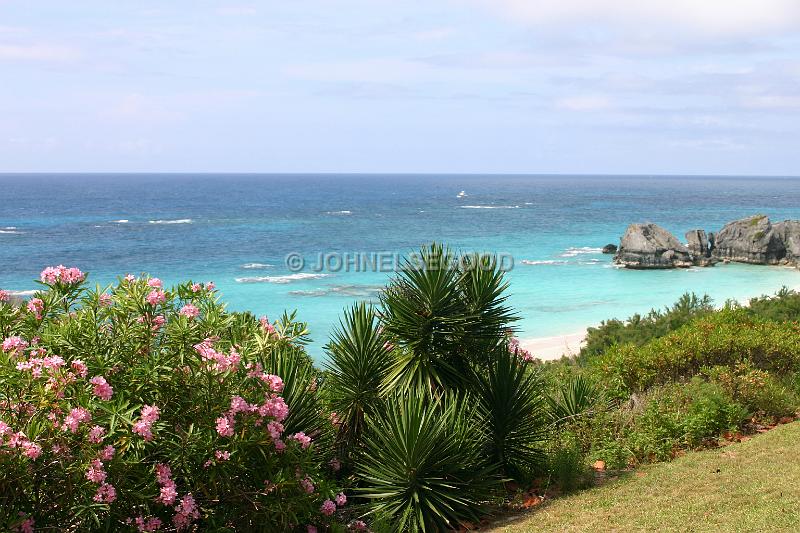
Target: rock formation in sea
point(610, 249)
point(749, 240)
point(651, 246)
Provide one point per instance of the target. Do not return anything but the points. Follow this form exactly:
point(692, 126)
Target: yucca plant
point(358, 360)
point(424, 466)
point(576, 398)
point(511, 394)
point(440, 312)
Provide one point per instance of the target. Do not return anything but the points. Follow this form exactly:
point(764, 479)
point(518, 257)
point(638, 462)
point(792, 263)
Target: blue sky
point(546, 86)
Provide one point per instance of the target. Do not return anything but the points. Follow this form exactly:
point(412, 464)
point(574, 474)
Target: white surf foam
point(281, 279)
point(178, 221)
point(256, 266)
point(489, 206)
point(572, 252)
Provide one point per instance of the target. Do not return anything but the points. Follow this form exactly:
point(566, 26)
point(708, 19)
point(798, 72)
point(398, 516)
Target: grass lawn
point(748, 486)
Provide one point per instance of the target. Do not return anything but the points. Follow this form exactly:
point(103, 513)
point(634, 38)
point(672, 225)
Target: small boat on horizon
point(462, 194)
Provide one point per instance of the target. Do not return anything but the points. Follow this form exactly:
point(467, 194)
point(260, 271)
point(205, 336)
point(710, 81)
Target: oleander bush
point(138, 407)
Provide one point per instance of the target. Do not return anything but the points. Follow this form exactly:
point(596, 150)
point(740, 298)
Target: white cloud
point(38, 52)
point(717, 17)
point(589, 102)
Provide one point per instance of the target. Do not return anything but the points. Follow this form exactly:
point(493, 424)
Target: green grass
point(748, 486)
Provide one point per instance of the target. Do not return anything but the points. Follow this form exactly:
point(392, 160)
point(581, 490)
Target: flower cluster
point(515, 348)
point(61, 274)
point(4, 296)
point(148, 417)
point(36, 306)
point(20, 441)
point(101, 388)
point(218, 361)
point(189, 311)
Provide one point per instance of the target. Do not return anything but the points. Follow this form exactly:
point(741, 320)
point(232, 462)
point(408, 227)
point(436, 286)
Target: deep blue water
point(208, 227)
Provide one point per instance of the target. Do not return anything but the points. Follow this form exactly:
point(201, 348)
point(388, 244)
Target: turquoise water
point(237, 230)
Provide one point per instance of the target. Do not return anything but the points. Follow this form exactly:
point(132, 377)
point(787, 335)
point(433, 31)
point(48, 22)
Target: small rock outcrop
point(700, 247)
point(754, 240)
point(647, 246)
point(610, 249)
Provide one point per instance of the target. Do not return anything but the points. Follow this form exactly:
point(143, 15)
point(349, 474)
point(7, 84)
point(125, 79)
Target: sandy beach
point(549, 348)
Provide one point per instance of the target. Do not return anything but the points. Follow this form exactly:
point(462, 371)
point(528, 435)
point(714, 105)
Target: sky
point(462, 86)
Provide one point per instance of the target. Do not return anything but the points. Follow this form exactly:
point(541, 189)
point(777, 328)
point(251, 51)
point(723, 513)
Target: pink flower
point(101, 388)
point(105, 494)
point(104, 300)
point(307, 485)
point(210, 286)
point(275, 429)
point(279, 445)
point(196, 287)
point(358, 525)
point(169, 490)
point(158, 321)
point(168, 493)
point(4, 296)
point(225, 426)
point(156, 296)
point(26, 526)
point(341, 499)
point(275, 382)
point(302, 438)
point(32, 450)
point(130, 278)
point(75, 418)
point(328, 508)
point(14, 344)
point(36, 306)
point(336, 464)
point(107, 453)
point(189, 311)
point(185, 513)
point(222, 455)
point(155, 282)
point(80, 367)
point(61, 274)
point(268, 328)
point(96, 473)
point(149, 525)
point(311, 529)
point(276, 408)
point(143, 426)
point(96, 434)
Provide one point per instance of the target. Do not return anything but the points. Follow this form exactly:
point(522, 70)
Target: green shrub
point(758, 390)
point(156, 405)
point(723, 338)
point(680, 415)
point(567, 463)
point(639, 330)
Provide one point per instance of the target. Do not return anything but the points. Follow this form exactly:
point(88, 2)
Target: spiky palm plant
point(440, 312)
point(358, 361)
point(512, 397)
point(424, 467)
point(576, 398)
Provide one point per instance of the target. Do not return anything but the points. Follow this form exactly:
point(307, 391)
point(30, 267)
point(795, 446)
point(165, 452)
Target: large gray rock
point(700, 247)
point(651, 246)
point(755, 240)
point(789, 233)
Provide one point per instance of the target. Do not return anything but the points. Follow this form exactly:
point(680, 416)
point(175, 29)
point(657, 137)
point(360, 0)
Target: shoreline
point(552, 348)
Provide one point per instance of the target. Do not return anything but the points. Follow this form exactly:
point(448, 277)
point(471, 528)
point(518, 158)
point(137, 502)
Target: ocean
point(237, 230)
